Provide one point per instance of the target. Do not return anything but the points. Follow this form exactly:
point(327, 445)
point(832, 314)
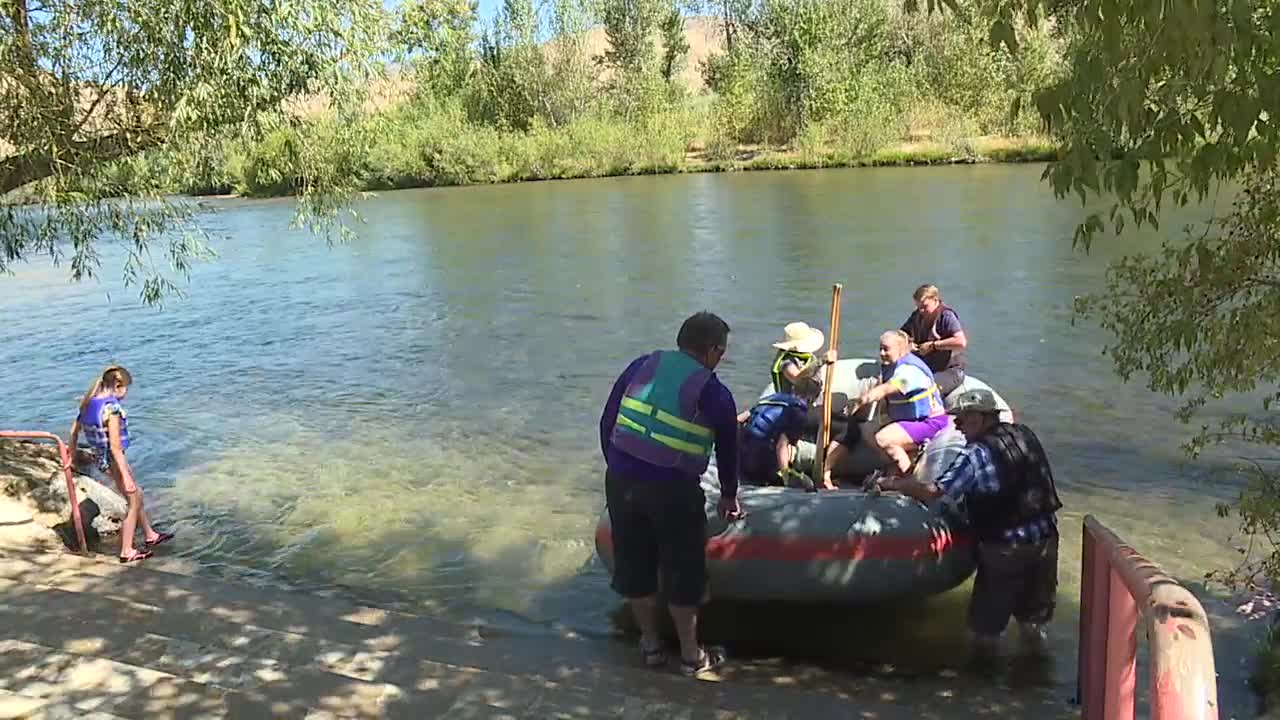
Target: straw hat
point(800, 338)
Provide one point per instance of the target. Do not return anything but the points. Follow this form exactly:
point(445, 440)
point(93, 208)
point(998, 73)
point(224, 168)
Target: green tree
point(572, 72)
point(437, 36)
point(512, 77)
point(675, 46)
point(1168, 103)
point(635, 85)
point(88, 83)
point(814, 53)
point(956, 68)
point(630, 27)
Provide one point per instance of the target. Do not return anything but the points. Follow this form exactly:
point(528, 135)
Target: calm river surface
point(414, 414)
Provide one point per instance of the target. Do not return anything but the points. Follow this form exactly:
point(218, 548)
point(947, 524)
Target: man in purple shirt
point(666, 413)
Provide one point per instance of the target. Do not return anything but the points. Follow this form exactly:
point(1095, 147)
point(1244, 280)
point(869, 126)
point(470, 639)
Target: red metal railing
point(1119, 586)
point(65, 456)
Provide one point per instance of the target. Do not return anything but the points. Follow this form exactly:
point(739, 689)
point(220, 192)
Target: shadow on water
point(909, 655)
point(919, 647)
point(211, 650)
point(911, 639)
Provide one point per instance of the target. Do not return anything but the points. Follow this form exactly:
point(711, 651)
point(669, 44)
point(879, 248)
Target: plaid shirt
point(975, 472)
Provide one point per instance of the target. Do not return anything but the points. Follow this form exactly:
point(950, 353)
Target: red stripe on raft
point(862, 547)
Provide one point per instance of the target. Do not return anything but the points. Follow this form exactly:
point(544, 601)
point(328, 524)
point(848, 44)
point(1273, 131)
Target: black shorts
point(658, 525)
point(1018, 581)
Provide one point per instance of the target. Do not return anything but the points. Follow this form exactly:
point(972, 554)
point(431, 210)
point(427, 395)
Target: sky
point(487, 7)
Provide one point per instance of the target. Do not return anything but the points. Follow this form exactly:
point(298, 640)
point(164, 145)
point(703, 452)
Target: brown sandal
point(161, 539)
point(136, 556)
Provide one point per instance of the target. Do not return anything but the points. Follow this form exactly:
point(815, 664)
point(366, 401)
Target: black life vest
point(1027, 490)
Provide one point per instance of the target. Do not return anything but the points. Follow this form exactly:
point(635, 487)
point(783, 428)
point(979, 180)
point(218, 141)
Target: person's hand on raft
point(831, 357)
point(856, 405)
point(863, 400)
point(893, 481)
point(730, 509)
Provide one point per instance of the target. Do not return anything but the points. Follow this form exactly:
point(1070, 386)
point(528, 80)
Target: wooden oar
point(824, 435)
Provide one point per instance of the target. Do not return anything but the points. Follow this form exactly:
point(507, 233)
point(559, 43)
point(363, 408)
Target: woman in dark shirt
point(938, 338)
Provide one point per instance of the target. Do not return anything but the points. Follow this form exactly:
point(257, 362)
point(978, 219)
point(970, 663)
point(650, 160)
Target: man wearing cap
point(1003, 475)
point(937, 337)
point(666, 413)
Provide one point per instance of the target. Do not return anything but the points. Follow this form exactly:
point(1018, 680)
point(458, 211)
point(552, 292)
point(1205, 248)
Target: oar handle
point(824, 436)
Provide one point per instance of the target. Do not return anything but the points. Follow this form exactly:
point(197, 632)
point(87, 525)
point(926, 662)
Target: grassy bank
point(986, 149)
point(410, 148)
point(791, 92)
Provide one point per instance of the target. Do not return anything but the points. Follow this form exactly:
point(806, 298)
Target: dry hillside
point(705, 36)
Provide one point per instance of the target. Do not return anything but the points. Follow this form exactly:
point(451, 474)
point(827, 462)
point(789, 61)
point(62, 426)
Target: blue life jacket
point(93, 421)
point(770, 418)
point(919, 405)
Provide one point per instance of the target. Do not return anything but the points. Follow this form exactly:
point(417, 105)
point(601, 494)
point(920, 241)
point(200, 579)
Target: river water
point(414, 414)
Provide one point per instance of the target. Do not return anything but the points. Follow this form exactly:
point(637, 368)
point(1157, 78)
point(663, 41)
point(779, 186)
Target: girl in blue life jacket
point(106, 427)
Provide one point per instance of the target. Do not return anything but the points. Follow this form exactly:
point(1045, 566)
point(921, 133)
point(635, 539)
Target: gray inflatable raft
point(839, 546)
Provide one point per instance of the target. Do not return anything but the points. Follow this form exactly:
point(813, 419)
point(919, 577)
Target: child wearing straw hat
point(795, 361)
point(795, 372)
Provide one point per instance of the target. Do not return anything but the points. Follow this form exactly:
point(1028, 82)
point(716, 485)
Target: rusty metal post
point(1183, 679)
point(1095, 598)
point(1084, 654)
point(1122, 650)
point(64, 456)
point(1119, 586)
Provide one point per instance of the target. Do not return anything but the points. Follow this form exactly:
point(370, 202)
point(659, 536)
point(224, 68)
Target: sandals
point(135, 556)
point(709, 659)
point(139, 555)
point(161, 539)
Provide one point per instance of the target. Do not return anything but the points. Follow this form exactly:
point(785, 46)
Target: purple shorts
point(922, 430)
